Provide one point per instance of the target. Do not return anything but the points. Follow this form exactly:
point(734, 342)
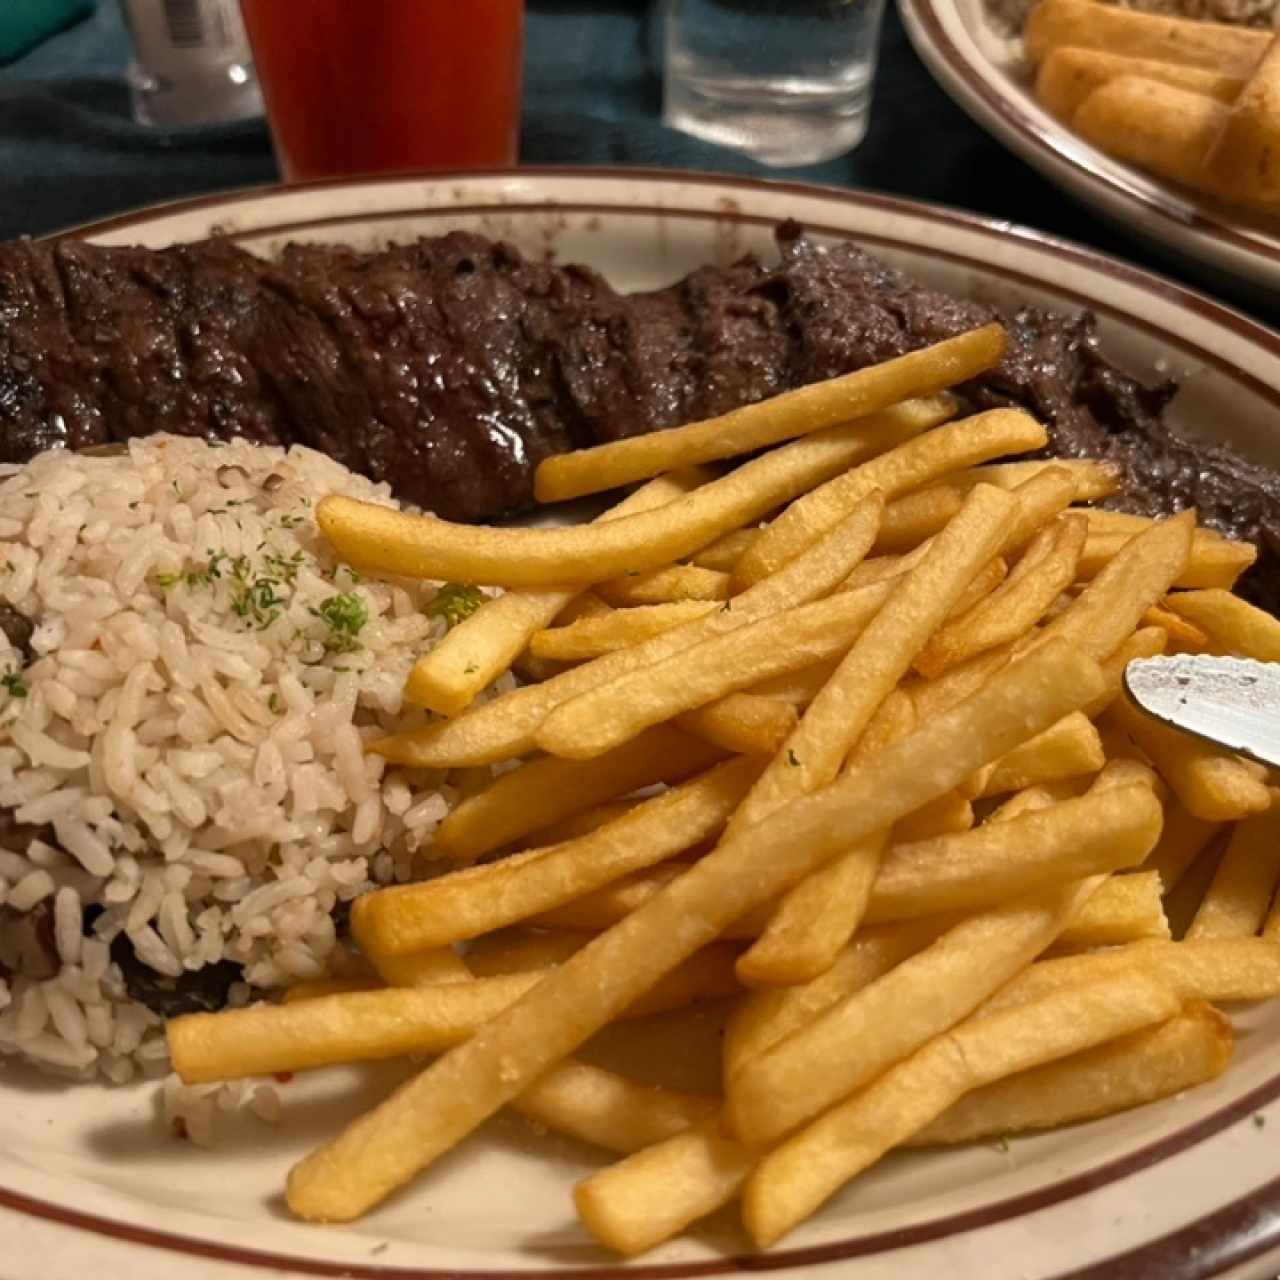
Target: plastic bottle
point(191, 64)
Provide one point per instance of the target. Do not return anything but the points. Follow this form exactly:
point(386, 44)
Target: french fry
point(1098, 832)
point(610, 1111)
point(422, 969)
point(1092, 480)
point(1213, 561)
point(1045, 571)
point(1085, 24)
point(668, 585)
point(596, 912)
point(797, 688)
point(1212, 969)
point(1067, 76)
point(792, 1181)
point(1241, 164)
point(653, 1195)
point(548, 790)
point(1066, 750)
point(861, 1036)
point(909, 520)
point(434, 1111)
point(1181, 636)
point(474, 653)
point(465, 904)
point(1125, 909)
point(603, 718)
point(357, 1026)
point(948, 448)
point(883, 568)
point(821, 913)
point(1143, 643)
point(742, 724)
point(521, 950)
point(947, 815)
point(1183, 838)
point(1146, 1066)
point(590, 637)
point(1232, 625)
point(506, 726)
point(392, 542)
point(580, 824)
point(1244, 884)
point(1183, 901)
point(782, 417)
point(314, 988)
point(1110, 607)
point(1212, 783)
point(723, 553)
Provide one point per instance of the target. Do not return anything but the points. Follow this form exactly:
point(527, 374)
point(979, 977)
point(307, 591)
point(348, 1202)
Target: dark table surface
point(70, 152)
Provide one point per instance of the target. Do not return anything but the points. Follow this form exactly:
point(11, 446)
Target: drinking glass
point(787, 81)
point(376, 86)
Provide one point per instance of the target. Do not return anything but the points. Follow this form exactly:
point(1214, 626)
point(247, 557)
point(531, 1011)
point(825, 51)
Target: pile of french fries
point(856, 761)
point(1197, 103)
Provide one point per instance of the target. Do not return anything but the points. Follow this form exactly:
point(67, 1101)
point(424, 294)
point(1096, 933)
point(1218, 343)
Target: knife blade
point(1233, 702)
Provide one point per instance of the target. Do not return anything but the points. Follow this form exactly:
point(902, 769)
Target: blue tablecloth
point(70, 152)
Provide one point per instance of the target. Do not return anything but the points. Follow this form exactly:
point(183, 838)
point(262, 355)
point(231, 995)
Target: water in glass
point(787, 81)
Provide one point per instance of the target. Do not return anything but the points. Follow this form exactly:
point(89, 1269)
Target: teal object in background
point(24, 23)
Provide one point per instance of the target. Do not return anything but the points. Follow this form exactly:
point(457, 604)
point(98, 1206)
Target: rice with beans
point(182, 770)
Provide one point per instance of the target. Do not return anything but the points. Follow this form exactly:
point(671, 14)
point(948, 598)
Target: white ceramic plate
point(1187, 1189)
point(982, 70)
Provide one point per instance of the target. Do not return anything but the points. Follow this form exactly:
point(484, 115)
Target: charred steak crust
point(451, 367)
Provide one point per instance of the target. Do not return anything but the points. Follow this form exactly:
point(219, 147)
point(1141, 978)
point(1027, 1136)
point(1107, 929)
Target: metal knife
point(1234, 702)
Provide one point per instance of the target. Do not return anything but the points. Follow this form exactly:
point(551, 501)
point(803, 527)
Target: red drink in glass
point(375, 86)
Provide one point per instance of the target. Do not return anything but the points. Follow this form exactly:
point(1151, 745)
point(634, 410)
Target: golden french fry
point(596, 912)
point(1212, 562)
point(354, 1027)
point(580, 824)
point(474, 653)
point(1110, 607)
point(653, 1195)
point(1068, 75)
point(1241, 164)
point(820, 914)
point(1102, 831)
point(1092, 481)
point(1212, 783)
point(610, 1111)
point(1232, 625)
point(1066, 750)
point(1084, 24)
point(909, 520)
point(932, 697)
point(947, 815)
point(791, 1182)
point(1183, 838)
point(1143, 1067)
point(1125, 909)
point(590, 637)
point(393, 542)
point(521, 950)
point(1213, 969)
point(422, 969)
point(723, 553)
point(434, 1111)
point(865, 1033)
point(1181, 636)
point(465, 904)
point(742, 723)
point(1183, 901)
point(314, 988)
point(797, 688)
point(603, 718)
point(669, 585)
point(1143, 643)
point(1045, 571)
point(948, 448)
point(548, 790)
point(506, 726)
point(1244, 884)
point(815, 407)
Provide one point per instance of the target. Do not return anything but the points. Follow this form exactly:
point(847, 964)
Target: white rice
point(190, 736)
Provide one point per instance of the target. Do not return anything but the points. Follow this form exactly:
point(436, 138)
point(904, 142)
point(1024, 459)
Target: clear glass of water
point(787, 81)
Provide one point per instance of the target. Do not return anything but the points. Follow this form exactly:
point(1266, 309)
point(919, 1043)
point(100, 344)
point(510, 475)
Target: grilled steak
point(452, 366)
